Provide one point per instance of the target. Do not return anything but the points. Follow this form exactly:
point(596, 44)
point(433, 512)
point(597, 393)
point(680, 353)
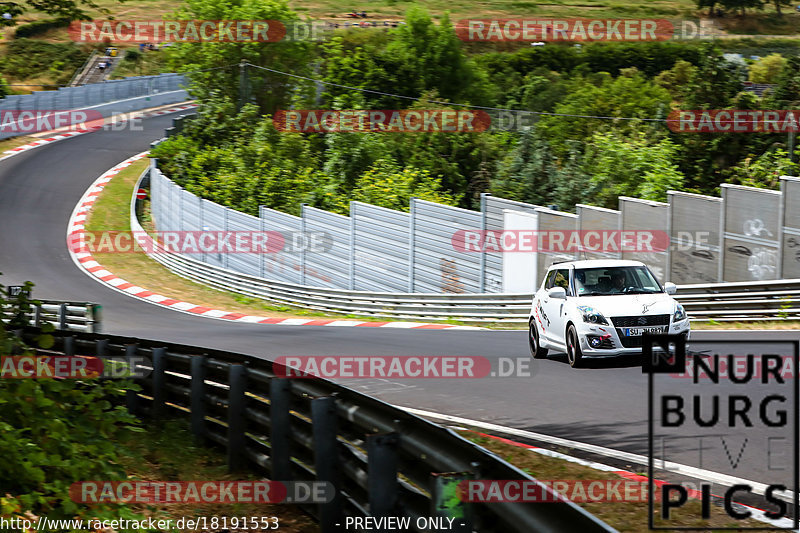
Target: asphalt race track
point(605, 405)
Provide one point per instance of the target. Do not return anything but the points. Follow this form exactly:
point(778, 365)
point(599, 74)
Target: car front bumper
point(612, 345)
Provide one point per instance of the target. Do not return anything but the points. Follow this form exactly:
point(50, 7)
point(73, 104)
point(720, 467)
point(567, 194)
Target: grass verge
point(628, 516)
point(165, 452)
point(13, 142)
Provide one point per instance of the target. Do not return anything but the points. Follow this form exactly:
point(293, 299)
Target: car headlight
point(592, 315)
point(680, 313)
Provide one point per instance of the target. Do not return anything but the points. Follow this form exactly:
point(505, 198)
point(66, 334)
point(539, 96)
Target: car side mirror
point(670, 288)
point(557, 293)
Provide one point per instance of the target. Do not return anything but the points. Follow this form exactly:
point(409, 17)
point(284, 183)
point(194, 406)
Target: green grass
point(166, 452)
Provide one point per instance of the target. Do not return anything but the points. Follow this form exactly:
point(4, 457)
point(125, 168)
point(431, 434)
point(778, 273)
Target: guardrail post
point(445, 500)
point(131, 396)
point(326, 459)
point(101, 345)
point(159, 381)
point(237, 375)
point(197, 397)
point(382, 484)
point(37, 316)
point(62, 317)
point(69, 346)
point(482, 282)
point(280, 455)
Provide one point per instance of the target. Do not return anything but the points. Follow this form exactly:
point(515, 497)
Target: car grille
point(633, 321)
point(630, 342)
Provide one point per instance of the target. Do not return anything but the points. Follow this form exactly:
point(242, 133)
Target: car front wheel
point(574, 355)
point(533, 342)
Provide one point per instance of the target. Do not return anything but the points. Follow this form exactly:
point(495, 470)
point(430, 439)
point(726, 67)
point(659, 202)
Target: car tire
point(533, 342)
point(574, 355)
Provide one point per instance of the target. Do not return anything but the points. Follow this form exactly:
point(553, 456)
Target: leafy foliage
point(54, 432)
point(635, 166)
point(600, 130)
point(628, 96)
point(215, 65)
point(27, 58)
point(38, 27)
point(767, 69)
point(764, 171)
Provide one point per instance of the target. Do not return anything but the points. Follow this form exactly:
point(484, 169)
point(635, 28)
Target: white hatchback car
point(601, 308)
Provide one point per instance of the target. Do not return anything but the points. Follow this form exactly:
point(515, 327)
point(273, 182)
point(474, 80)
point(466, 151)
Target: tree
point(707, 3)
point(431, 57)
point(629, 96)
point(676, 78)
point(780, 3)
point(714, 83)
point(527, 173)
point(742, 5)
point(215, 65)
point(634, 166)
point(786, 94)
point(767, 69)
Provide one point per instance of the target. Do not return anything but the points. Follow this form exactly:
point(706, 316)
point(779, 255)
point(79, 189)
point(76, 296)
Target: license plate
point(638, 332)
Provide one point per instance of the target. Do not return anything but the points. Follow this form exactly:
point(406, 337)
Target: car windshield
point(615, 280)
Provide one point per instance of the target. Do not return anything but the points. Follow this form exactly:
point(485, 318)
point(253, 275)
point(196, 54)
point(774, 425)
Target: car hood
point(630, 305)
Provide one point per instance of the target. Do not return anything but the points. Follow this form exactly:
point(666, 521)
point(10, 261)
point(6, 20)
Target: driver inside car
point(618, 281)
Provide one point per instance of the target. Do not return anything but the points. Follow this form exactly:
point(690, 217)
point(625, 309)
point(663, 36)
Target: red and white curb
point(66, 135)
point(86, 262)
point(758, 514)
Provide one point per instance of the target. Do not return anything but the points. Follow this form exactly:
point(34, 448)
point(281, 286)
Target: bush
point(132, 54)
point(39, 27)
point(28, 58)
point(54, 432)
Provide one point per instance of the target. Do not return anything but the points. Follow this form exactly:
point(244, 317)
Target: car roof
point(596, 263)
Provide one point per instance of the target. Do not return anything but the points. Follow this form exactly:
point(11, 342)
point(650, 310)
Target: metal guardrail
point(67, 316)
point(750, 301)
point(382, 461)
